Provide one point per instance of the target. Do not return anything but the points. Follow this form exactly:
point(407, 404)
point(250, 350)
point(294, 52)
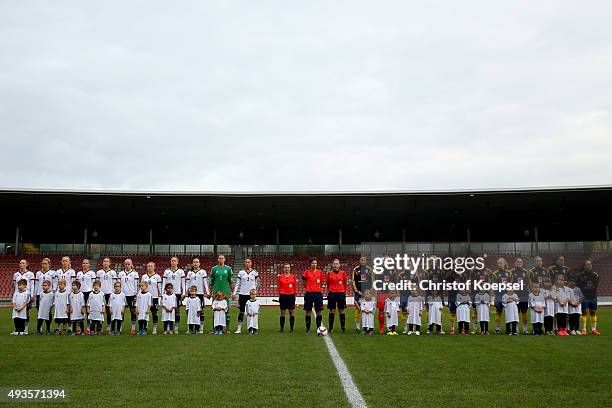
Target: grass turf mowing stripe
point(350, 389)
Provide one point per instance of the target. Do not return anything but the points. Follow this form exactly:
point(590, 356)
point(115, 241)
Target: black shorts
point(242, 301)
point(131, 301)
point(61, 320)
point(179, 301)
point(313, 298)
point(107, 299)
point(202, 302)
point(86, 296)
point(154, 303)
point(286, 302)
point(336, 299)
point(523, 306)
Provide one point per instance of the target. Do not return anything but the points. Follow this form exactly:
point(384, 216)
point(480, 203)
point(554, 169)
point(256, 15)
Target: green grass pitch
point(281, 370)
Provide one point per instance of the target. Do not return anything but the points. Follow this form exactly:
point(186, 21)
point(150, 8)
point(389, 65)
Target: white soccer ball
point(321, 331)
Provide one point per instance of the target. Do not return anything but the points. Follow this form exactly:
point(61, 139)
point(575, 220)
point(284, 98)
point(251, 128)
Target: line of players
point(556, 298)
point(335, 284)
point(76, 296)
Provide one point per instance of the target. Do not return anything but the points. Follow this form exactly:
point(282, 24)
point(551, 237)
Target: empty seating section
point(270, 266)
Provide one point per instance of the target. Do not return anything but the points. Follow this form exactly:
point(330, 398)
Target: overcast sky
point(271, 95)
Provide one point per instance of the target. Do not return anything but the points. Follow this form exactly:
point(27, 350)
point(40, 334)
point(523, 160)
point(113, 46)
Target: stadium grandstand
point(273, 228)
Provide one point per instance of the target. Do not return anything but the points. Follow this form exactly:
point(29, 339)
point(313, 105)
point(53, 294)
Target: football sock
point(583, 321)
point(381, 319)
point(291, 321)
point(282, 322)
point(308, 322)
point(343, 322)
point(497, 319)
point(330, 321)
point(594, 322)
point(318, 320)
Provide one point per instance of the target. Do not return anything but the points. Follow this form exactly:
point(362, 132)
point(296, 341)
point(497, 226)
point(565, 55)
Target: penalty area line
point(350, 388)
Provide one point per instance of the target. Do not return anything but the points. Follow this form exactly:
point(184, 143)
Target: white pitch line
point(350, 388)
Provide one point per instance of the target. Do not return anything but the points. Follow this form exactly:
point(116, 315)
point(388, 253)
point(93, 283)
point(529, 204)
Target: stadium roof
point(559, 213)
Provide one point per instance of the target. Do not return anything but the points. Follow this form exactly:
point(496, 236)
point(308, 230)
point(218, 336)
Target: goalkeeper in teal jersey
point(221, 280)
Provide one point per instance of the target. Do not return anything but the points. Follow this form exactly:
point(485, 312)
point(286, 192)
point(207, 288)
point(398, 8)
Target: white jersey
point(77, 301)
point(367, 313)
point(19, 298)
point(575, 298)
point(60, 304)
point(435, 306)
point(252, 312)
point(45, 304)
point(510, 303)
point(176, 278)
point(537, 301)
point(219, 315)
point(245, 281)
point(483, 301)
point(192, 306)
point(562, 297)
point(415, 308)
point(199, 279)
point(154, 282)
point(117, 303)
point(129, 282)
point(41, 277)
point(392, 307)
point(168, 301)
point(463, 309)
point(107, 280)
point(550, 297)
point(30, 277)
point(87, 279)
point(17, 276)
point(96, 304)
point(66, 275)
point(143, 303)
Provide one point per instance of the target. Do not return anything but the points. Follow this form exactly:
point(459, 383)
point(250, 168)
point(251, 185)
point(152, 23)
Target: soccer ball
point(321, 331)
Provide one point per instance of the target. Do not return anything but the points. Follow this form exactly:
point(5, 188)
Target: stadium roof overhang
point(559, 213)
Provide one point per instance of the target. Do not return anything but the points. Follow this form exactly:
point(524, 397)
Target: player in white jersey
point(45, 303)
point(482, 300)
point(247, 280)
point(66, 272)
point(392, 308)
point(95, 308)
point(199, 278)
point(87, 277)
point(143, 307)
point(107, 278)
point(154, 281)
point(175, 276)
point(30, 278)
point(17, 276)
point(117, 303)
point(368, 306)
point(45, 274)
point(76, 305)
point(252, 312)
point(129, 279)
point(193, 307)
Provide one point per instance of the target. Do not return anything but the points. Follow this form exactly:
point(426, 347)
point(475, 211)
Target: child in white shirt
point(483, 302)
point(60, 308)
point(168, 305)
point(144, 301)
point(193, 307)
point(435, 306)
point(219, 306)
point(76, 305)
point(21, 298)
point(537, 304)
point(252, 312)
point(367, 313)
point(45, 303)
point(392, 308)
point(117, 303)
point(510, 301)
